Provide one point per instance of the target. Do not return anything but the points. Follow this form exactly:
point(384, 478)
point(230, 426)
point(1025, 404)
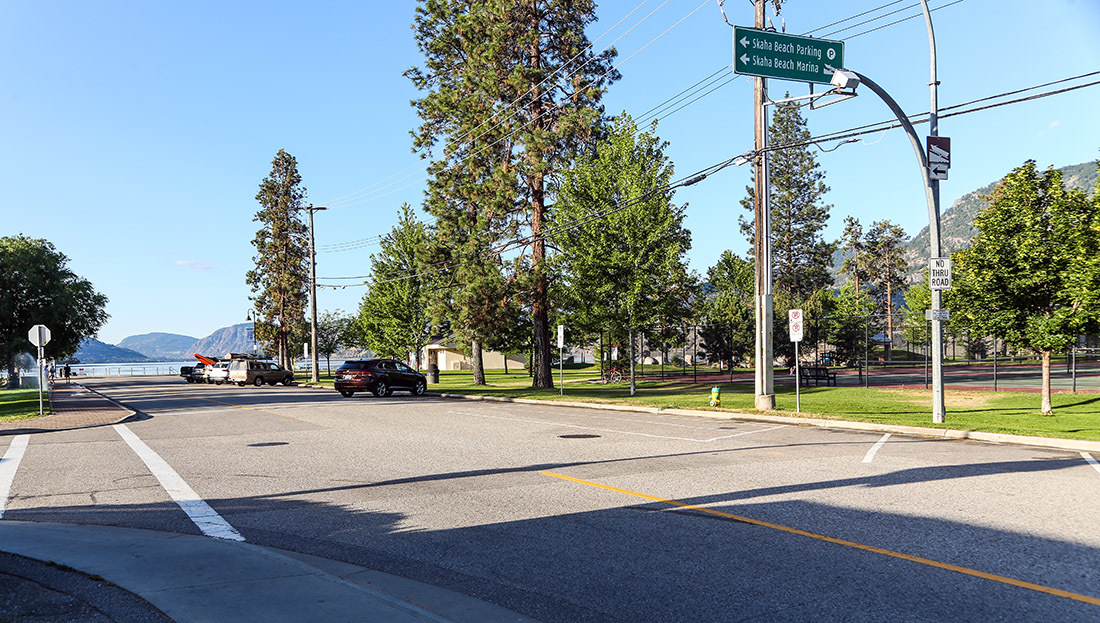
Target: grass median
point(20, 404)
point(1076, 416)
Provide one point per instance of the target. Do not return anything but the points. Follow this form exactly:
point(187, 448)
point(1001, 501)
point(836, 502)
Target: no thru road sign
point(939, 273)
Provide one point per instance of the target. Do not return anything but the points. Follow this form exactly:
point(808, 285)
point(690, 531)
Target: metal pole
point(764, 377)
point(1073, 356)
point(797, 381)
point(994, 363)
point(938, 408)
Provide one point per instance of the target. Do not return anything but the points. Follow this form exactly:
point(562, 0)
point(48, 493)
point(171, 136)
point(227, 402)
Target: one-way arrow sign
point(939, 157)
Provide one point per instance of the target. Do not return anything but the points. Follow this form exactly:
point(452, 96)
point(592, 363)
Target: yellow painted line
point(821, 537)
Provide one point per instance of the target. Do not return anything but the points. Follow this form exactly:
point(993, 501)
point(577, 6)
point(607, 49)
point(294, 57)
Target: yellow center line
point(868, 548)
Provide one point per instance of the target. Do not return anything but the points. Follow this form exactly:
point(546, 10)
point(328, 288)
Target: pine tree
point(280, 279)
point(513, 93)
point(800, 255)
point(851, 240)
point(886, 267)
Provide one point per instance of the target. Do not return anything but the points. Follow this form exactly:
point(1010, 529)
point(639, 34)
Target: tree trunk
point(1046, 408)
point(479, 368)
point(889, 312)
point(13, 374)
point(633, 387)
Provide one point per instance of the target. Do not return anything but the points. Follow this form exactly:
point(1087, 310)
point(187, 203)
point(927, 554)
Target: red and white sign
point(794, 317)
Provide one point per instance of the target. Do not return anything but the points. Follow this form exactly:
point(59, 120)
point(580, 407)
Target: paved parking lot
point(568, 514)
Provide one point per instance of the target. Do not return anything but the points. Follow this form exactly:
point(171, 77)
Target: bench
point(817, 374)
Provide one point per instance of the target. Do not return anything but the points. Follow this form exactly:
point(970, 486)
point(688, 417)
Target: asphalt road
point(569, 514)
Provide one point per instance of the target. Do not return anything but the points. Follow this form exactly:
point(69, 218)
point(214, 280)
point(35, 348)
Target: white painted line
point(8, 466)
point(1092, 461)
point(611, 430)
point(206, 518)
point(874, 449)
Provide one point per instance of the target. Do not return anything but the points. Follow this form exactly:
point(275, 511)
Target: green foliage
point(847, 329)
point(280, 279)
point(510, 120)
point(800, 255)
point(37, 287)
point(727, 308)
point(918, 298)
point(332, 330)
point(1028, 275)
point(394, 319)
point(622, 241)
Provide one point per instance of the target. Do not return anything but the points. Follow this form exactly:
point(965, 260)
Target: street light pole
point(313, 296)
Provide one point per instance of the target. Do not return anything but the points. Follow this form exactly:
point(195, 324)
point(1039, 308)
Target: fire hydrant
point(716, 396)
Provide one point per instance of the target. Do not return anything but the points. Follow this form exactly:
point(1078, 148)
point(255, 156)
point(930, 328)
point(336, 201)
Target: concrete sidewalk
point(127, 574)
point(199, 579)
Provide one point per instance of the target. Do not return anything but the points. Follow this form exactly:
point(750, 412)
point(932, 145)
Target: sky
point(134, 134)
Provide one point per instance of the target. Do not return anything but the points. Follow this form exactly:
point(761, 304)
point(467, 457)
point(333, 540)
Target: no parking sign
point(794, 318)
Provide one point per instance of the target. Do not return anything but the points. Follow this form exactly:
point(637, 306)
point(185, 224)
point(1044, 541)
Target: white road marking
point(206, 518)
point(610, 430)
point(870, 456)
point(1092, 461)
point(8, 466)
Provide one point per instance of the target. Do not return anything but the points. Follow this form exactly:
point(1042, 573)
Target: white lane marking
point(8, 466)
point(1092, 461)
point(206, 518)
point(874, 449)
point(611, 430)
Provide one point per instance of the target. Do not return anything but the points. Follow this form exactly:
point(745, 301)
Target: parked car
point(185, 372)
point(198, 373)
point(257, 372)
point(380, 376)
point(218, 373)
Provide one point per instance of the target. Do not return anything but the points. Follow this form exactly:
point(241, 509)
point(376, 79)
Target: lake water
point(170, 368)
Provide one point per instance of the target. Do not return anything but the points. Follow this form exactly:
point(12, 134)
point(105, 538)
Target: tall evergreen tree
point(800, 254)
point(394, 319)
point(728, 307)
point(885, 267)
point(513, 93)
point(622, 240)
point(280, 279)
point(38, 287)
point(851, 241)
point(1021, 278)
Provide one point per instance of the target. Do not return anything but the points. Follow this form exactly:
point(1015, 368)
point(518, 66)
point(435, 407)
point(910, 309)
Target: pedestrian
point(68, 371)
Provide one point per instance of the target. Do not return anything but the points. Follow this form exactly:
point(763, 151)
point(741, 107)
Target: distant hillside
point(957, 227)
point(94, 351)
point(232, 339)
point(160, 346)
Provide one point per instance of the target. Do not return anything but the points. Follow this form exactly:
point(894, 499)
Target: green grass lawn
point(20, 404)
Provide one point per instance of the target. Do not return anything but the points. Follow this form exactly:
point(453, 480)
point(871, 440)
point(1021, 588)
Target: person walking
point(68, 371)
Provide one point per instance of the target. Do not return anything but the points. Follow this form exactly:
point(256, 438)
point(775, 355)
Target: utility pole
point(938, 403)
point(764, 378)
point(313, 296)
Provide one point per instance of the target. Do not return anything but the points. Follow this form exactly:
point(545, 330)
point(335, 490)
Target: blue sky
point(134, 135)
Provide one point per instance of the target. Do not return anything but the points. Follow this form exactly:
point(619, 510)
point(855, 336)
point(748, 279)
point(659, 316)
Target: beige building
point(448, 357)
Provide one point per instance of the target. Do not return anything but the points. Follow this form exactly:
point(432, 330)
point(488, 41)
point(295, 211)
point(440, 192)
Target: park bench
point(817, 374)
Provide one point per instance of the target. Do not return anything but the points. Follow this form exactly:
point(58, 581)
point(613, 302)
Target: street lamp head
point(845, 80)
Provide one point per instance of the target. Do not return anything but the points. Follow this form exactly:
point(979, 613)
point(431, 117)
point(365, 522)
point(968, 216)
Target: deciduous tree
point(1022, 277)
point(38, 287)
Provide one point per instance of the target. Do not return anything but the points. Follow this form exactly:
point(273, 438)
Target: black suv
point(380, 376)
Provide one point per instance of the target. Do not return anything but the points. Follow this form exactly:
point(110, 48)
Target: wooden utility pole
point(764, 358)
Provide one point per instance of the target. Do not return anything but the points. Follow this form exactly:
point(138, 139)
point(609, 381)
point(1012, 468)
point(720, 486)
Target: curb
point(1079, 445)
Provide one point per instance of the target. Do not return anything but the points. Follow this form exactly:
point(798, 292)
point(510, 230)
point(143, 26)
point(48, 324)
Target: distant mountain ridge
point(94, 351)
point(232, 339)
point(161, 346)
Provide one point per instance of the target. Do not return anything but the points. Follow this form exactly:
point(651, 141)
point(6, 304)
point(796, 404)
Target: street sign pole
point(796, 326)
point(39, 336)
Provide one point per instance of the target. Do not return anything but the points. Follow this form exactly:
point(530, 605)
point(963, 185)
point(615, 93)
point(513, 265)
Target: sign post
point(796, 326)
point(770, 54)
point(39, 335)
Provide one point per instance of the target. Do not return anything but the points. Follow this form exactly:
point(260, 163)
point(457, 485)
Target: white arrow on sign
point(745, 41)
point(745, 59)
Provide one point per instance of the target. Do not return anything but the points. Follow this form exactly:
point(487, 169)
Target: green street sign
point(786, 57)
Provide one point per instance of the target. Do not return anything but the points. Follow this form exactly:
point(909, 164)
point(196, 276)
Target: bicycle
point(612, 375)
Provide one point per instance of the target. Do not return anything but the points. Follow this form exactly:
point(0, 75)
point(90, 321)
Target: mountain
point(957, 227)
point(161, 346)
point(234, 339)
point(94, 351)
